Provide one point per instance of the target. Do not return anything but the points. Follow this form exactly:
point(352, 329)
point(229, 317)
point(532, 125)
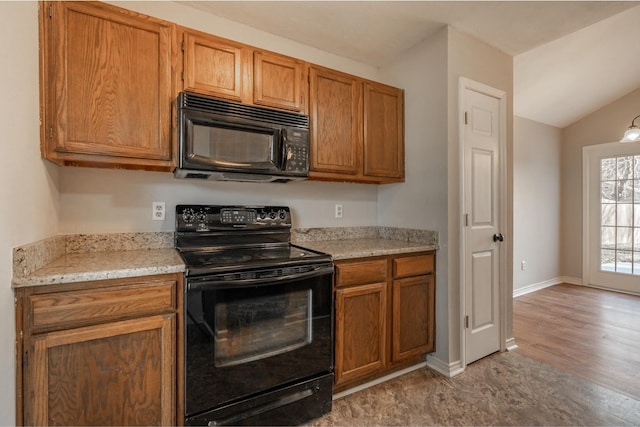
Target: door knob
point(498, 237)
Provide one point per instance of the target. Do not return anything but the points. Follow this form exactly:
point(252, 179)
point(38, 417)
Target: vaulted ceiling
point(570, 57)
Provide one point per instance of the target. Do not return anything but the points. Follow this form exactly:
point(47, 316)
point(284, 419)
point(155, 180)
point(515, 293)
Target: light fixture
point(633, 133)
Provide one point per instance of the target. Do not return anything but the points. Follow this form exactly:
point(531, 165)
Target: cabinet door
point(335, 116)
point(278, 81)
point(108, 76)
point(361, 313)
point(413, 317)
point(119, 373)
point(383, 131)
point(214, 66)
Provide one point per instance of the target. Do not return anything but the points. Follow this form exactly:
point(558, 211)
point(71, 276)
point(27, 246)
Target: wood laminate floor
point(577, 364)
point(590, 333)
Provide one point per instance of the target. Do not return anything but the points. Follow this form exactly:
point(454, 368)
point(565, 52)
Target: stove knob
point(282, 214)
point(188, 215)
point(272, 215)
point(201, 216)
point(263, 215)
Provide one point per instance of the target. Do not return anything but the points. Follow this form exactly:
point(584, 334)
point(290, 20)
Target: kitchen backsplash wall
point(118, 201)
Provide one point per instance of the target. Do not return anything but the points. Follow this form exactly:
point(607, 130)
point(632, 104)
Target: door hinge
point(183, 48)
point(50, 11)
point(182, 75)
point(466, 322)
point(466, 220)
point(466, 118)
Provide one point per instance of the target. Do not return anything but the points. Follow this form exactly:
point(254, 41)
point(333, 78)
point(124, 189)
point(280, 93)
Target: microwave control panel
point(296, 151)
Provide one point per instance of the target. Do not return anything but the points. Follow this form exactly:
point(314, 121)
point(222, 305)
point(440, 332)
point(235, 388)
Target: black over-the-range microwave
point(225, 140)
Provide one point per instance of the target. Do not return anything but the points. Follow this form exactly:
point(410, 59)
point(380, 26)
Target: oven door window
point(232, 146)
point(255, 328)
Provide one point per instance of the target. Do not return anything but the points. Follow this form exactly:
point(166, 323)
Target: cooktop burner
point(237, 257)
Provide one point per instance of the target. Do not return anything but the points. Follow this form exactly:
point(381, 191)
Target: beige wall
point(605, 125)
point(477, 61)
point(421, 202)
point(431, 72)
point(28, 186)
point(536, 203)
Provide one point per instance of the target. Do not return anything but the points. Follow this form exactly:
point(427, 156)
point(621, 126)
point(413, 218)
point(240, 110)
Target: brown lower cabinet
point(100, 353)
point(385, 315)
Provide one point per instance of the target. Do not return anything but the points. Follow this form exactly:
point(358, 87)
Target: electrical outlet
point(157, 211)
point(523, 265)
point(338, 211)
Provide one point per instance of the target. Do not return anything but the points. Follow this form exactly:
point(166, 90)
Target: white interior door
point(482, 135)
point(612, 216)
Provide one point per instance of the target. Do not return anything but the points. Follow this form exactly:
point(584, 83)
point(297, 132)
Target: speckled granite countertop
point(88, 266)
point(358, 242)
point(358, 248)
point(80, 258)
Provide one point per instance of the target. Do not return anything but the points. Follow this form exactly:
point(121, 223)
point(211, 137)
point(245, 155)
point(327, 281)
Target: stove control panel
point(215, 217)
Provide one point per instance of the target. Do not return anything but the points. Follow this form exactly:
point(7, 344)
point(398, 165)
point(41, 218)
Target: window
point(620, 214)
point(611, 216)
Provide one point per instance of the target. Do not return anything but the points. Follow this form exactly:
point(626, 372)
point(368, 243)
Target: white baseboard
point(571, 280)
point(604, 288)
point(535, 287)
point(510, 344)
point(547, 283)
point(447, 369)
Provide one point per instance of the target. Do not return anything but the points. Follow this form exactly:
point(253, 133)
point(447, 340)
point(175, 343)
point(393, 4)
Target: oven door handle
point(283, 401)
point(203, 283)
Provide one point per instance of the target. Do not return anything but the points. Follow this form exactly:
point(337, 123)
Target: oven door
point(248, 337)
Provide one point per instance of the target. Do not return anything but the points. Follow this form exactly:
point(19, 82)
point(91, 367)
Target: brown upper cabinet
point(105, 87)
point(214, 66)
point(279, 81)
point(109, 78)
point(336, 132)
point(223, 68)
point(383, 132)
point(357, 128)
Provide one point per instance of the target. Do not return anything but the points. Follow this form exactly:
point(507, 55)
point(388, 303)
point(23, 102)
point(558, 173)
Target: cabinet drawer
point(413, 265)
point(361, 272)
point(93, 305)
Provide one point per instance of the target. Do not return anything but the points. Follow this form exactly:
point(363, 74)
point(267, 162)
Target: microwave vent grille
point(242, 111)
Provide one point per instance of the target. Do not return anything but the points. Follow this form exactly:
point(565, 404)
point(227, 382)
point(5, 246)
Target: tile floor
point(502, 389)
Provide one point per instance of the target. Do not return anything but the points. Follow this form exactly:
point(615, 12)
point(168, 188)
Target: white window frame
point(591, 214)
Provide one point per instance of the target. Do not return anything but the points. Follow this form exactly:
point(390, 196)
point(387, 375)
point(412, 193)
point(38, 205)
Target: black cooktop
point(242, 258)
point(217, 239)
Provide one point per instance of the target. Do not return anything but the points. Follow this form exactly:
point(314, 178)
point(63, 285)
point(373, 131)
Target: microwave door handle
point(286, 149)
